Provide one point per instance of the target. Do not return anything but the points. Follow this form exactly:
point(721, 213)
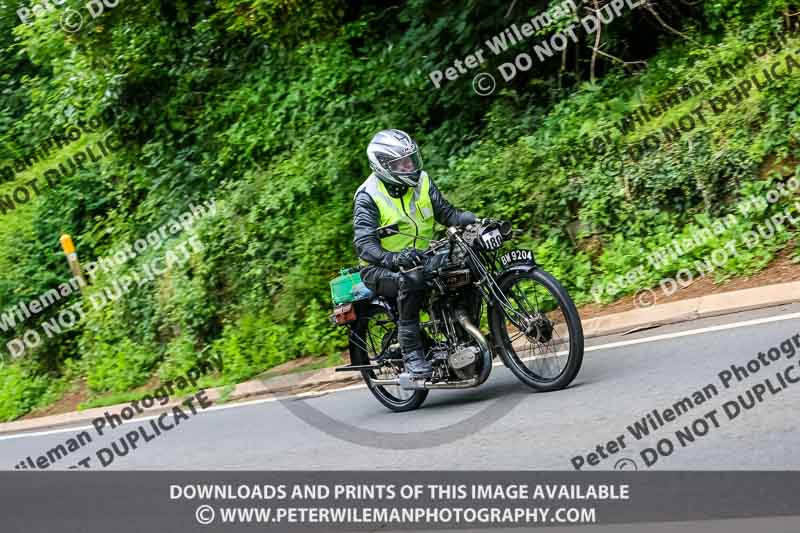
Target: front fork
point(497, 306)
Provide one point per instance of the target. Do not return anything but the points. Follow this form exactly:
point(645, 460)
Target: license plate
point(516, 256)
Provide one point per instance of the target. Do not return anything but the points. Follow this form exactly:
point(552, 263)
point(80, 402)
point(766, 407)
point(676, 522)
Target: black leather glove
point(409, 258)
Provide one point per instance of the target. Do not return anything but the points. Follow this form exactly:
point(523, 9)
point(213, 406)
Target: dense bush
point(267, 107)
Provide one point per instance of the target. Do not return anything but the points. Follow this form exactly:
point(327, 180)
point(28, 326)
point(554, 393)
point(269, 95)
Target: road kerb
point(685, 310)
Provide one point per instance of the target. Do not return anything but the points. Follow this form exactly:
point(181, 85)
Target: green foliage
point(281, 20)
point(117, 366)
point(251, 343)
point(267, 105)
point(21, 390)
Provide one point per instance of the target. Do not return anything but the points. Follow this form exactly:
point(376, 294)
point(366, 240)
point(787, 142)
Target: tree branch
point(596, 46)
point(667, 26)
point(621, 60)
point(511, 8)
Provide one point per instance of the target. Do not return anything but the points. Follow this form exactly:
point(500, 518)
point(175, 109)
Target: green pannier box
point(348, 287)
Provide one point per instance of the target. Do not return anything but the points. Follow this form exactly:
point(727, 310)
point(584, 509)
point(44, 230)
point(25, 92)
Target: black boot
point(413, 352)
point(416, 365)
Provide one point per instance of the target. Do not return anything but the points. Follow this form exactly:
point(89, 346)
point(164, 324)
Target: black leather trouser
point(409, 289)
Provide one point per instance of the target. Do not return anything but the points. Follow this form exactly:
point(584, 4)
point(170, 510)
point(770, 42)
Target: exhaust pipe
point(475, 333)
point(464, 384)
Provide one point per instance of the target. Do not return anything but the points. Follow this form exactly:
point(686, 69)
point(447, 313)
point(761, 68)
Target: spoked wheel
point(539, 335)
point(374, 333)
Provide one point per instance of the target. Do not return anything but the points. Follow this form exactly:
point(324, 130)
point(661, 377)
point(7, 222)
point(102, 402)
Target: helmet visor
point(406, 165)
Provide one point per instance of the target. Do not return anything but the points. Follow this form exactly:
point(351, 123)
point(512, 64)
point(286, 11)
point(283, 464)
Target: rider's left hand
point(409, 258)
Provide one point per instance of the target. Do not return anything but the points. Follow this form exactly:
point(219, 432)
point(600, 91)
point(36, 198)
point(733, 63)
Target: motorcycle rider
point(399, 192)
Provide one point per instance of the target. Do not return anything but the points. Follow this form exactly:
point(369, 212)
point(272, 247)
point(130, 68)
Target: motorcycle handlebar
point(504, 226)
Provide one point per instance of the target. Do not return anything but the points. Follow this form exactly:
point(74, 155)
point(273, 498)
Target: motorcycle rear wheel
point(373, 332)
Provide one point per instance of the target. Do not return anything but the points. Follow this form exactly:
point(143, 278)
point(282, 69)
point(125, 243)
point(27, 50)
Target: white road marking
point(654, 338)
point(678, 334)
point(153, 417)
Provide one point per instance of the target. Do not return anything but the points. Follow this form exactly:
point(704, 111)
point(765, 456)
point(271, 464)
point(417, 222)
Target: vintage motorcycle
point(534, 327)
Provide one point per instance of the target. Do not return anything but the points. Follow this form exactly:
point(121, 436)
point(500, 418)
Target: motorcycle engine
point(456, 278)
point(449, 265)
point(462, 361)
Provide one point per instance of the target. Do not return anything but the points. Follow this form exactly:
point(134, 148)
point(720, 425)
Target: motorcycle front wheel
point(538, 331)
point(371, 336)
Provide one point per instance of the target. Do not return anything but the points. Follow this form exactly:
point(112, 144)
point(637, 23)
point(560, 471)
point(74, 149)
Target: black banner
point(123, 502)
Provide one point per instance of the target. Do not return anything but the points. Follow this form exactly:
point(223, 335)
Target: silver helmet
point(395, 158)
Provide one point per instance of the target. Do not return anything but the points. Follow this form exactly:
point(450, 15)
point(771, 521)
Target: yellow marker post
point(67, 245)
point(72, 258)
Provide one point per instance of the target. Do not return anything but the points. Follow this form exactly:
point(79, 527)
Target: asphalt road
point(502, 425)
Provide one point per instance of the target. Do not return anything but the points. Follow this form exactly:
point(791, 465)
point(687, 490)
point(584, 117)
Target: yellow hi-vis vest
point(413, 213)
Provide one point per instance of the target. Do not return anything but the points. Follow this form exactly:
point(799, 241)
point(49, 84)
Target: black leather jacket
point(366, 219)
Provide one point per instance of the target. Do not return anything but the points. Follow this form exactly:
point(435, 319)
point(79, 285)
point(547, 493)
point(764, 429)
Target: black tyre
point(371, 338)
point(539, 337)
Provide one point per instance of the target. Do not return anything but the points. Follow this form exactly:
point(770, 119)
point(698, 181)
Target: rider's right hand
point(409, 258)
point(466, 218)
